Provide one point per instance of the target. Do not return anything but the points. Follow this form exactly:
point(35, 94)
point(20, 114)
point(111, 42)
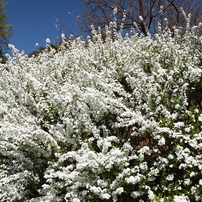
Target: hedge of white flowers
point(119, 120)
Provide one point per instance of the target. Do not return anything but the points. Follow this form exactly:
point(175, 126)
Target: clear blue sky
point(33, 20)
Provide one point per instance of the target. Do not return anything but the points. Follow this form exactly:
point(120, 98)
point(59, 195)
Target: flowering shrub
point(118, 120)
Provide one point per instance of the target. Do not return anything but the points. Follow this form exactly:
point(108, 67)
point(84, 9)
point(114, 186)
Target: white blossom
point(162, 141)
point(200, 117)
point(170, 177)
point(133, 180)
point(181, 199)
point(136, 194)
point(96, 120)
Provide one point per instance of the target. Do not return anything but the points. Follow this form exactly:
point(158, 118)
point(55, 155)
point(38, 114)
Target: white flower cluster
point(103, 121)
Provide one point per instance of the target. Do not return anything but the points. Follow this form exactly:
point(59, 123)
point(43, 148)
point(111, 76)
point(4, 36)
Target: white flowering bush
point(118, 120)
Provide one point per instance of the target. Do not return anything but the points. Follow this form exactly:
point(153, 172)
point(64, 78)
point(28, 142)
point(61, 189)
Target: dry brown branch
point(100, 13)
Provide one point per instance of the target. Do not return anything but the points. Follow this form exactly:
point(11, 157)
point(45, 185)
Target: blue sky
point(33, 20)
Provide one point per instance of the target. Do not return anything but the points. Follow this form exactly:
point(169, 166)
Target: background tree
point(5, 30)
point(100, 13)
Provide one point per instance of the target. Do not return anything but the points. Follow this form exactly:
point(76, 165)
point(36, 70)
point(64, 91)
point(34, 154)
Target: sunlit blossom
point(94, 121)
point(181, 199)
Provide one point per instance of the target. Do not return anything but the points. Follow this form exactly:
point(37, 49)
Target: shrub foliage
point(118, 120)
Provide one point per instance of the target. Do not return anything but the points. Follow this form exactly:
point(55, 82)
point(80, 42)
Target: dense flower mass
point(113, 120)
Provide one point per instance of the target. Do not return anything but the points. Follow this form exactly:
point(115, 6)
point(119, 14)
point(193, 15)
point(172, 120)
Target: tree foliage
point(5, 30)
